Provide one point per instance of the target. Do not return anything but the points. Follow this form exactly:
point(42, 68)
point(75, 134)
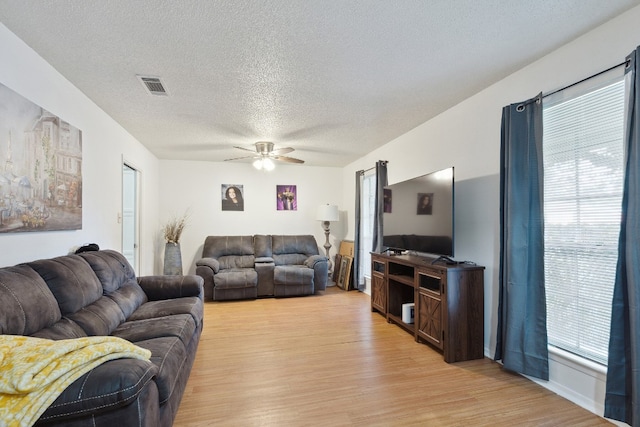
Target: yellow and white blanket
point(34, 371)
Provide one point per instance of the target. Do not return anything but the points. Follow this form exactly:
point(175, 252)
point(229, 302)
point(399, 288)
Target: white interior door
point(130, 195)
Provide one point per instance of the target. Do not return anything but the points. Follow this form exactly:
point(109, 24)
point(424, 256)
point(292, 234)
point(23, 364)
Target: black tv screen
point(418, 214)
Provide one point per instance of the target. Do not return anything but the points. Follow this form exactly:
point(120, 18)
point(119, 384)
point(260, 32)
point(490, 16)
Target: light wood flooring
point(327, 360)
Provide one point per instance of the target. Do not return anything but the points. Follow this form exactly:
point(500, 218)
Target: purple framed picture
point(286, 198)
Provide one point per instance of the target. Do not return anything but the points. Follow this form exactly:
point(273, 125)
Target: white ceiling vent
point(153, 85)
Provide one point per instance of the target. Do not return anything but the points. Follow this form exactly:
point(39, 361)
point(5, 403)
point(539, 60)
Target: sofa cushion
point(184, 305)
point(111, 267)
point(262, 246)
point(71, 280)
point(63, 329)
point(300, 244)
point(290, 259)
point(27, 303)
point(113, 384)
point(99, 318)
point(293, 274)
point(218, 246)
point(229, 262)
point(129, 297)
point(169, 355)
point(236, 278)
point(292, 280)
point(181, 326)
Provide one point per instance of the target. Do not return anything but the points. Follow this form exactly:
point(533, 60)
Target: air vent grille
point(153, 85)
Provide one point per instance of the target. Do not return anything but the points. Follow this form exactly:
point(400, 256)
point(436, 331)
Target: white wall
point(196, 186)
point(468, 137)
point(105, 144)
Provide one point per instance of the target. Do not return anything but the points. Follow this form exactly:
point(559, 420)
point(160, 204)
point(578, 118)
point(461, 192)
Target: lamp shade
point(328, 213)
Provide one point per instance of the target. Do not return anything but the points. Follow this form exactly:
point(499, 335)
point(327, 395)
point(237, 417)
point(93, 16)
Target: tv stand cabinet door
point(378, 293)
point(430, 317)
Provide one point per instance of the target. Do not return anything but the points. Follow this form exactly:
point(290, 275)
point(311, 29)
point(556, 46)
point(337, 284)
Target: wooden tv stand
point(448, 298)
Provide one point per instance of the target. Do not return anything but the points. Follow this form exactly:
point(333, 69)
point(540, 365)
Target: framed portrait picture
point(286, 198)
point(425, 203)
point(232, 197)
point(344, 277)
point(386, 200)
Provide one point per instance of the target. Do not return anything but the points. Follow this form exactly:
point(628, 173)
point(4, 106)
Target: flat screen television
point(418, 215)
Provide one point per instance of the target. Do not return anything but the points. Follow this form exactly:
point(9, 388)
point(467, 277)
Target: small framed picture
point(425, 203)
point(287, 198)
point(336, 269)
point(232, 197)
point(344, 276)
point(387, 200)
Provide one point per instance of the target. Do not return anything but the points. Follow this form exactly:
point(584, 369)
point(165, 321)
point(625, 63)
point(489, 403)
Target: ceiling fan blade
point(287, 159)
point(241, 158)
point(280, 151)
point(245, 149)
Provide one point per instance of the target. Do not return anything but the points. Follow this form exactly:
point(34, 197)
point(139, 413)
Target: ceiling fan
point(265, 154)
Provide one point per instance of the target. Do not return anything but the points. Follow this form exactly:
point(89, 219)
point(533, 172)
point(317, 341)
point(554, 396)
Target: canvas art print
point(286, 198)
point(40, 168)
point(232, 197)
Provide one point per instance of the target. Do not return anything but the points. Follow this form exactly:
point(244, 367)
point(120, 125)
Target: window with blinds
point(583, 178)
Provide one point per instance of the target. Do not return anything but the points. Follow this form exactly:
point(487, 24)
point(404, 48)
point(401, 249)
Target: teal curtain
point(381, 182)
point(622, 399)
point(522, 312)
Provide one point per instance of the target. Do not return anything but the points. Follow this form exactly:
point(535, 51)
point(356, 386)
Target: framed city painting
point(232, 197)
point(41, 173)
point(286, 198)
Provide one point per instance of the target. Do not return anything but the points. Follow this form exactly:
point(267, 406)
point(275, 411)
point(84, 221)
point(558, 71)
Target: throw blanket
point(35, 371)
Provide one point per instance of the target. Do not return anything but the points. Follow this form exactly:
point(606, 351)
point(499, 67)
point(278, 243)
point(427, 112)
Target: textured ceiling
point(333, 79)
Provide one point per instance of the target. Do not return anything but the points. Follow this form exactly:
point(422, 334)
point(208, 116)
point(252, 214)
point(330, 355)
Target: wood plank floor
point(327, 360)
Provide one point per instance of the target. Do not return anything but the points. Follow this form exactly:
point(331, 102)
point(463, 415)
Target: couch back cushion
point(262, 246)
point(111, 268)
point(26, 303)
point(71, 280)
point(293, 250)
point(230, 251)
point(118, 279)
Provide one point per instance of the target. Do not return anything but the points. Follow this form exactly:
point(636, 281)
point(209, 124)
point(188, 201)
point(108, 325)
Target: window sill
point(578, 363)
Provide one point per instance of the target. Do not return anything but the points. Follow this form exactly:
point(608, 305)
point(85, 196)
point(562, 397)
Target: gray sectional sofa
point(97, 293)
point(247, 267)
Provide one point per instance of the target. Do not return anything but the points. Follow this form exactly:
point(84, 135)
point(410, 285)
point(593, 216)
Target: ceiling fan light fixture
point(264, 163)
point(268, 164)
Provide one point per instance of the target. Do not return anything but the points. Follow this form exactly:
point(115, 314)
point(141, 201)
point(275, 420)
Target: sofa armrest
point(209, 262)
point(109, 386)
point(320, 265)
point(314, 259)
point(264, 260)
point(167, 287)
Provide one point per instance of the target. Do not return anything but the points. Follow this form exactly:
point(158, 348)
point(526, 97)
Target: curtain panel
point(356, 239)
point(381, 182)
point(622, 399)
point(522, 318)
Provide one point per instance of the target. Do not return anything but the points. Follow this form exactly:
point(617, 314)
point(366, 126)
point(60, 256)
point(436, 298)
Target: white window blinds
point(583, 176)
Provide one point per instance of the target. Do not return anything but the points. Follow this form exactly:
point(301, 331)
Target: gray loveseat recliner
point(94, 294)
point(247, 267)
